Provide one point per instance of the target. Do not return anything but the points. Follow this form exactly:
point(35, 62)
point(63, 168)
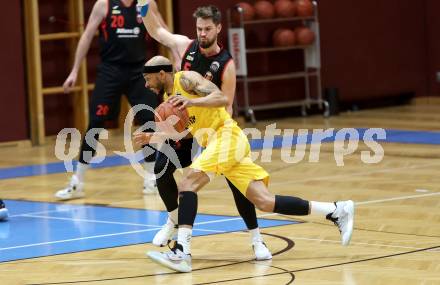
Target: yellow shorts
point(228, 153)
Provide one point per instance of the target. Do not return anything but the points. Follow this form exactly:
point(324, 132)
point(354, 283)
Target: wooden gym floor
point(397, 230)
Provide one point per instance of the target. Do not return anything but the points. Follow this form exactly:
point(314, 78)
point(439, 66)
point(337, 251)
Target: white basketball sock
point(256, 235)
point(81, 169)
point(184, 236)
point(322, 208)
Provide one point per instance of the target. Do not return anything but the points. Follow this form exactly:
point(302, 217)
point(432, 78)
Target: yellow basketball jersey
point(202, 120)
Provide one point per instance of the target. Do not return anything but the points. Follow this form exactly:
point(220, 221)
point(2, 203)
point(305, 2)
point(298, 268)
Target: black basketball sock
point(289, 205)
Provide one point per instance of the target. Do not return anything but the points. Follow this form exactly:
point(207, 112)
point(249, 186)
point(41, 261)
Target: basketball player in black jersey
point(122, 51)
point(206, 56)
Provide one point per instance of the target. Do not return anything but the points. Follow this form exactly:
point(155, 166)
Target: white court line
point(356, 243)
point(75, 239)
point(114, 234)
point(234, 219)
point(397, 198)
point(50, 211)
point(205, 230)
point(218, 221)
point(90, 221)
point(94, 237)
point(337, 176)
point(361, 173)
point(133, 224)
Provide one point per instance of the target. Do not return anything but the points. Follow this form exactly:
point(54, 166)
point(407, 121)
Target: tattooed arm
point(210, 95)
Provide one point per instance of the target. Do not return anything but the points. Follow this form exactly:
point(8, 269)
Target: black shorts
point(184, 150)
point(115, 80)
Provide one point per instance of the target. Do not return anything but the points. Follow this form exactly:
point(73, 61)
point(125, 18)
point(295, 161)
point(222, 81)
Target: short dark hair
point(208, 12)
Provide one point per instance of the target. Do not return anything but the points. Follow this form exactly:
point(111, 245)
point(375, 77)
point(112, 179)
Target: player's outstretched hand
point(70, 82)
point(141, 139)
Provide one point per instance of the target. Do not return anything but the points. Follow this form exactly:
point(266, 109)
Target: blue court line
point(37, 229)
point(392, 136)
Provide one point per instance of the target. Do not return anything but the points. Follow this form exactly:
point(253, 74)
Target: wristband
point(144, 10)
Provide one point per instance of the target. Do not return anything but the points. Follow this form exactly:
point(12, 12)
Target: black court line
point(257, 276)
point(346, 263)
point(286, 271)
point(321, 267)
point(289, 245)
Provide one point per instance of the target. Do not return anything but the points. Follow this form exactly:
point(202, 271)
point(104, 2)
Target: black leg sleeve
point(245, 208)
point(166, 184)
point(164, 169)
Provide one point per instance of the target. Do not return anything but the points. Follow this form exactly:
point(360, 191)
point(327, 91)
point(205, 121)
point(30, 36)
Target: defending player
point(207, 57)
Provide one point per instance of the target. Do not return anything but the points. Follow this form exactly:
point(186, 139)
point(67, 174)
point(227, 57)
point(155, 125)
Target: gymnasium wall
point(432, 8)
point(373, 48)
point(13, 100)
point(370, 49)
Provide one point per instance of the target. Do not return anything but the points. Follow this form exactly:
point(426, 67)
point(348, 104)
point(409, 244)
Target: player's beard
point(158, 89)
point(207, 43)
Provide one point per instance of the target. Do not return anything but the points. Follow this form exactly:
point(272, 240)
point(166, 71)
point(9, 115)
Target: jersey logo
point(190, 58)
point(215, 66)
point(115, 10)
point(191, 121)
point(187, 66)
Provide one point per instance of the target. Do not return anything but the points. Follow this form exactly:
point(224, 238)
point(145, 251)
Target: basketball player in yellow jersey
point(227, 153)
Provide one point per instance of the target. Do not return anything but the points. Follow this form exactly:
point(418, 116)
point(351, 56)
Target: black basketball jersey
point(211, 67)
point(122, 34)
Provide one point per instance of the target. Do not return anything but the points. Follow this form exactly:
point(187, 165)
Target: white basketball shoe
point(174, 259)
point(74, 190)
point(3, 211)
point(150, 186)
point(343, 217)
point(166, 234)
point(261, 251)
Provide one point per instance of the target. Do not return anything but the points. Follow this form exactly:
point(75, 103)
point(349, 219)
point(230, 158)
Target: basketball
point(166, 109)
point(304, 36)
point(304, 8)
point(248, 11)
point(285, 8)
point(264, 9)
point(284, 37)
